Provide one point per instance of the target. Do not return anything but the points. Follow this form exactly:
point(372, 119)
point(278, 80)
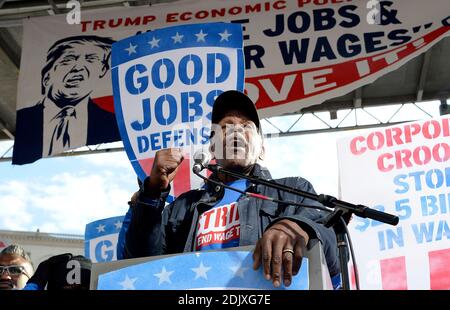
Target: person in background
point(62, 272)
point(15, 268)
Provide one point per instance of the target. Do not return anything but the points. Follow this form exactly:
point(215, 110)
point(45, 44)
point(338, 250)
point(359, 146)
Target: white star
point(200, 271)
point(164, 276)
point(201, 36)
point(197, 254)
point(177, 38)
point(224, 36)
point(127, 283)
point(154, 42)
point(118, 225)
point(239, 271)
point(100, 228)
point(131, 49)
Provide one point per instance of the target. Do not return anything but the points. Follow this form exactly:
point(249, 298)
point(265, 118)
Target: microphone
point(201, 160)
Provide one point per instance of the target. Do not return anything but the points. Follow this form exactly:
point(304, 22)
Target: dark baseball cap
point(234, 100)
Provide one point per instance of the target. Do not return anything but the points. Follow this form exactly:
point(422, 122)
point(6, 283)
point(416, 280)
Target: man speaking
point(214, 217)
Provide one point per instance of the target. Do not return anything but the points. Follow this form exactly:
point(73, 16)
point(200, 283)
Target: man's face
point(18, 273)
point(75, 74)
point(236, 142)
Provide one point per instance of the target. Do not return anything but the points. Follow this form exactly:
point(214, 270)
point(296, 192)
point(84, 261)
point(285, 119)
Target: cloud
point(64, 203)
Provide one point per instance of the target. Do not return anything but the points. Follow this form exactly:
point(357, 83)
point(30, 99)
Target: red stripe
point(106, 103)
point(439, 269)
point(147, 165)
point(393, 273)
point(182, 181)
point(343, 74)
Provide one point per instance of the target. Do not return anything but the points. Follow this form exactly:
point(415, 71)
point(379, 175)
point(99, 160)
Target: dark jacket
point(102, 128)
point(155, 230)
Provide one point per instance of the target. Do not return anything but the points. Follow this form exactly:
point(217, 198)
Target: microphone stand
point(342, 209)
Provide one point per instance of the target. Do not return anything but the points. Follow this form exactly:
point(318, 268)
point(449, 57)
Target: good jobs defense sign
point(165, 83)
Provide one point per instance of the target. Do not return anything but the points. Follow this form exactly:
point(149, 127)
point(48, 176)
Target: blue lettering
point(104, 251)
point(292, 22)
point(177, 136)
point(443, 229)
point(141, 82)
point(398, 180)
point(154, 141)
point(183, 69)
point(423, 231)
point(371, 41)
point(211, 64)
point(439, 178)
point(143, 144)
point(294, 50)
point(429, 206)
point(210, 98)
point(417, 179)
point(323, 49)
point(347, 12)
point(324, 19)
point(348, 50)
point(165, 138)
point(205, 133)
point(187, 106)
point(146, 112)
point(169, 70)
point(172, 109)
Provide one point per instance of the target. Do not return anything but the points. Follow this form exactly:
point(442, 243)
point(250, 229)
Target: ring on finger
point(288, 251)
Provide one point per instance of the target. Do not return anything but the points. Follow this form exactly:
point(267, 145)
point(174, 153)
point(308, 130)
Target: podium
point(314, 268)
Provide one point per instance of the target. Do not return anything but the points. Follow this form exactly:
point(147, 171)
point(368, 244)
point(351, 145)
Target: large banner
point(297, 54)
point(165, 83)
point(201, 270)
point(100, 239)
point(403, 170)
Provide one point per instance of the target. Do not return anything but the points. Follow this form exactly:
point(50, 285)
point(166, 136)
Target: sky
point(63, 194)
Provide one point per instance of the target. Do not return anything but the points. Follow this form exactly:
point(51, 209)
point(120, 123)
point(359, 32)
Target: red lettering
point(207, 216)
point(301, 3)
point(381, 162)
point(354, 148)
point(436, 129)
point(403, 156)
point(113, 24)
point(409, 133)
point(426, 154)
point(171, 17)
point(445, 127)
point(235, 10)
point(437, 154)
point(202, 14)
point(186, 16)
point(375, 144)
point(218, 214)
point(148, 19)
point(279, 5)
point(216, 12)
point(133, 22)
point(99, 24)
point(396, 136)
point(84, 25)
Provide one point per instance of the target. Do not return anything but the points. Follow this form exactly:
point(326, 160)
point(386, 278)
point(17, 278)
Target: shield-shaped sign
point(100, 239)
point(165, 83)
